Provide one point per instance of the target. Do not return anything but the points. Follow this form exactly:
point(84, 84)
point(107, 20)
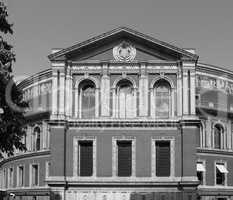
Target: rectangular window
point(20, 176)
point(35, 175)
point(11, 178)
point(85, 158)
point(163, 158)
point(220, 174)
point(124, 158)
point(200, 172)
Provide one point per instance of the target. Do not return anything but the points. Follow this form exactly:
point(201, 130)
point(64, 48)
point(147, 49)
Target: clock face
point(124, 52)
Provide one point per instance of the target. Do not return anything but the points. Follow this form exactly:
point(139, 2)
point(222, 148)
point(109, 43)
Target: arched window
point(87, 99)
point(36, 139)
point(162, 98)
point(201, 138)
point(125, 99)
point(218, 136)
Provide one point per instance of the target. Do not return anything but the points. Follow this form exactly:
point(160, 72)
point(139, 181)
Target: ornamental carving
point(124, 52)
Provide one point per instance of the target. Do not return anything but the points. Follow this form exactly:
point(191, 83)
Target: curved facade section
point(157, 126)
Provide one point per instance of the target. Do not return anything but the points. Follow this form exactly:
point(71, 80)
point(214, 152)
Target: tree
point(12, 119)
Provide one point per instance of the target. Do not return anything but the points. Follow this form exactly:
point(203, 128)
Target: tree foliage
point(12, 119)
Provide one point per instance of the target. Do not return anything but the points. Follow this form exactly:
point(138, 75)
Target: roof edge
point(115, 31)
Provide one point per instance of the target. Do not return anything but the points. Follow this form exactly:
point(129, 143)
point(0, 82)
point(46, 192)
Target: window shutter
point(124, 158)
point(163, 158)
point(86, 158)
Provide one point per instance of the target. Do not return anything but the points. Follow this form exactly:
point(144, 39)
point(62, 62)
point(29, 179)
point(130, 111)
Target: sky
point(40, 25)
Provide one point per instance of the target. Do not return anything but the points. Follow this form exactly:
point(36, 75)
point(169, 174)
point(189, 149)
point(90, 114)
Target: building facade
point(125, 116)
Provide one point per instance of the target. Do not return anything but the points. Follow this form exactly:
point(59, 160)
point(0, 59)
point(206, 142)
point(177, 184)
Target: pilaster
point(185, 93)
point(208, 133)
point(105, 92)
point(189, 87)
point(62, 94)
point(179, 93)
point(68, 91)
point(193, 92)
point(58, 80)
point(143, 92)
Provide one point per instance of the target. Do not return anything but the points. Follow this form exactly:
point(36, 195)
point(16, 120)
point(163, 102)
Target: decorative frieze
point(37, 90)
point(207, 82)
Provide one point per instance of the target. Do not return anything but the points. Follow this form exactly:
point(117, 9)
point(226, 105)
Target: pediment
point(140, 56)
point(131, 44)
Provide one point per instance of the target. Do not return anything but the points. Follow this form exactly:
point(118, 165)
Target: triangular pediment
point(143, 46)
point(108, 56)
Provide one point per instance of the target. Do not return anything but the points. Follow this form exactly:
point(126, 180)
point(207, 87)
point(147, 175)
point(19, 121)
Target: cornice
point(123, 31)
point(25, 155)
point(46, 74)
point(215, 151)
point(134, 123)
point(213, 68)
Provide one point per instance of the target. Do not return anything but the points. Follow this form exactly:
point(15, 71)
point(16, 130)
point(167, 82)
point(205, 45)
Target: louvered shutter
point(124, 158)
point(163, 158)
point(86, 158)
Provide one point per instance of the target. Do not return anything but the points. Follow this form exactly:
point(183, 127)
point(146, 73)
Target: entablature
point(119, 67)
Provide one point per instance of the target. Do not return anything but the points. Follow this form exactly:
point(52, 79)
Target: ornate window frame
point(152, 96)
point(115, 107)
point(223, 135)
point(115, 155)
point(77, 97)
point(204, 173)
point(76, 152)
point(31, 175)
point(171, 139)
point(215, 173)
point(18, 178)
